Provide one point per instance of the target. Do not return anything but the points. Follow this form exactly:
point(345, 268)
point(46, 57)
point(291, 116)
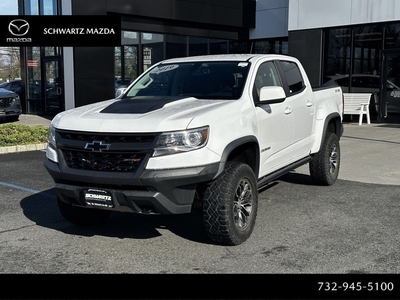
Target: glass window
point(126, 59)
point(126, 65)
point(41, 7)
point(9, 7)
point(262, 47)
point(392, 36)
point(337, 53)
point(48, 7)
point(153, 49)
point(130, 63)
point(267, 75)
point(237, 47)
point(198, 46)
point(218, 46)
point(31, 7)
point(34, 77)
point(202, 80)
point(52, 51)
point(343, 82)
point(271, 46)
point(365, 81)
point(293, 76)
point(367, 45)
point(129, 38)
point(176, 46)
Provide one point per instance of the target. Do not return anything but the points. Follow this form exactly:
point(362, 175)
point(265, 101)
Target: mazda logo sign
point(18, 27)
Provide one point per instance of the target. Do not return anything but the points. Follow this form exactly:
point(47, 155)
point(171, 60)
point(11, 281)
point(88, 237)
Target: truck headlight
point(181, 141)
point(51, 150)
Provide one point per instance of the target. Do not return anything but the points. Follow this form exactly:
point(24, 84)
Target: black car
point(10, 105)
point(363, 83)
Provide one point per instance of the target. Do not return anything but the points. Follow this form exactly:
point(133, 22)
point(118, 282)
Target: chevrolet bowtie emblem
point(97, 146)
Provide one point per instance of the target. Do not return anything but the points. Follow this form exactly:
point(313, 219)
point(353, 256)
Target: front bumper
point(10, 113)
point(10, 110)
point(169, 191)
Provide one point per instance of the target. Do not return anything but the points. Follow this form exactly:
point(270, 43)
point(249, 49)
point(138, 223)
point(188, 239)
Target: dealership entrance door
point(44, 82)
point(52, 86)
point(389, 102)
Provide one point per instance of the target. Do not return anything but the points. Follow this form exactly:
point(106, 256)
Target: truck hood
point(137, 114)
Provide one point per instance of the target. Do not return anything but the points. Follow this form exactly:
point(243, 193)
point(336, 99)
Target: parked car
point(14, 86)
point(363, 83)
point(120, 85)
point(10, 105)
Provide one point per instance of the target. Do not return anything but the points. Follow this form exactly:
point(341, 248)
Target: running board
point(266, 179)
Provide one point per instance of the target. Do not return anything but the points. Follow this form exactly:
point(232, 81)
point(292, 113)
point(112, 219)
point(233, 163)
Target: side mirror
point(272, 94)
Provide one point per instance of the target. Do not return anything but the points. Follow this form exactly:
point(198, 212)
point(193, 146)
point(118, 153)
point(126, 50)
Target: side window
point(358, 82)
point(344, 82)
point(293, 77)
point(267, 75)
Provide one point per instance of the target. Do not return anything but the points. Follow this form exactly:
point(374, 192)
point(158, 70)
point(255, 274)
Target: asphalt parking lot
point(351, 227)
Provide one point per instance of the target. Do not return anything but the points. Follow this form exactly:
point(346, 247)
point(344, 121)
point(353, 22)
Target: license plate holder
point(98, 198)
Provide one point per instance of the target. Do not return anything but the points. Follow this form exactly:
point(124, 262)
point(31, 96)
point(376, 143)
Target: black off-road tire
point(230, 205)
point(324, 167)
point(81, 215)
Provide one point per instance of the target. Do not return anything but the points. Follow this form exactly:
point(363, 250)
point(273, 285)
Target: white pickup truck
point(206, 130)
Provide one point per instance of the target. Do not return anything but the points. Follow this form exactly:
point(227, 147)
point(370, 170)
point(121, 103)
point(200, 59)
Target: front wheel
point(81, 215)
point(230, 205)
point(324, 167)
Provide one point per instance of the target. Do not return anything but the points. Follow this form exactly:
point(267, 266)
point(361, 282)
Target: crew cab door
point(274, 121)
point(302, 104)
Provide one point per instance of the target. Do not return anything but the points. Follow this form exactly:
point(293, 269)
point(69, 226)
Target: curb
point(22, 148)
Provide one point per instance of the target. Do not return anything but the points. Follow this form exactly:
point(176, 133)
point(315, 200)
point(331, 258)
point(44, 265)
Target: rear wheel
point(324, 167)
point(81, 215)
point(230, 205)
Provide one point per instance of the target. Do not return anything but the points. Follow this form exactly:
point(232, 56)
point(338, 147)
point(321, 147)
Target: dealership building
point(353, 43)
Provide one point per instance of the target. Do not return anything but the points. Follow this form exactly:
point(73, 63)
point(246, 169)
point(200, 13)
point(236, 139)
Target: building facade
point(352, 43)
point(59, 78)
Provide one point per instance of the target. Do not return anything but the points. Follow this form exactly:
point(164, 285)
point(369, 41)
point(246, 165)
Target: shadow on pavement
point(42, 209)
point(298, 178)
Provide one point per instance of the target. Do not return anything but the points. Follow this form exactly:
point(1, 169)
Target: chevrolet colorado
point(202, 131)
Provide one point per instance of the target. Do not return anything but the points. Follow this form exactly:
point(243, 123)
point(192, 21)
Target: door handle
point(288, 110)
point(309, 103)
point(59, 91)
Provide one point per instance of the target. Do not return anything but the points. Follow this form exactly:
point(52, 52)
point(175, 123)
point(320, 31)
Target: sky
point(8, 7)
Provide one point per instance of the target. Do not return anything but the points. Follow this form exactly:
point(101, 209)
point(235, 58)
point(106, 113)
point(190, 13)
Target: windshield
point(202, 80)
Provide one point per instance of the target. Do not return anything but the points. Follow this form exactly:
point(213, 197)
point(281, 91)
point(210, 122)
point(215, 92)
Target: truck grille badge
point(97, 146)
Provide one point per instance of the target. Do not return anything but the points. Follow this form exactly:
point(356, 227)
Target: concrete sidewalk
point(370, 153)
point(34, 120)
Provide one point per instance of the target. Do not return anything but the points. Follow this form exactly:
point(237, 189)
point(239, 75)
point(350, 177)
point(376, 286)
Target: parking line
point(19, 187)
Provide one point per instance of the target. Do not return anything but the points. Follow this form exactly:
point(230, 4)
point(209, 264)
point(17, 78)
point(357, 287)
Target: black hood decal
point(139, 105)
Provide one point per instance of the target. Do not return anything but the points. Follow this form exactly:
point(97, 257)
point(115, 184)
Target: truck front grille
point(107, 152)
point(99, 161)
point(6, 102)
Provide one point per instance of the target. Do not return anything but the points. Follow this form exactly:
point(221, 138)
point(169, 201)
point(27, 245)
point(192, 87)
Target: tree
point(9, 63)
